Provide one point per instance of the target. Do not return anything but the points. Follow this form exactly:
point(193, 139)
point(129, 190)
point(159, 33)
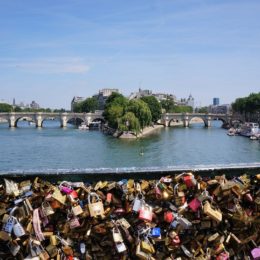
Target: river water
point(27, 148)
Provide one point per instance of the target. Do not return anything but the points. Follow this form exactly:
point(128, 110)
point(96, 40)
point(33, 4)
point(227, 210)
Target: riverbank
point(145, 132)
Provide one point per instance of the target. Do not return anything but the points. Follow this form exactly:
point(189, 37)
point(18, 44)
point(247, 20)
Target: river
point(27, 148)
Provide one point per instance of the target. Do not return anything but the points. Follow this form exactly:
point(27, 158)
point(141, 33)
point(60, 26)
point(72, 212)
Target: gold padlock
point(53, 240)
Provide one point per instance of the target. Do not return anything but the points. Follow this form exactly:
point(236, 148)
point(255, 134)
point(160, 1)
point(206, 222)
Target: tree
point(182, 109)
point(90, 105)
point(154, 106)
point(203, 110)
point(141, 111)
point(17, 109)
point(5, 107)
point(115, 108)
point(168, 104)
point(249, 104)
point(129, 122)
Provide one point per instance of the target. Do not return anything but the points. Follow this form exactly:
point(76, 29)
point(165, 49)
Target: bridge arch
point(198, 117)
point(46, 118)
point(175, 121)
point(17, 119)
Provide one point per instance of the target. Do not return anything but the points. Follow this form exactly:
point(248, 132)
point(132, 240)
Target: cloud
point(47, 65)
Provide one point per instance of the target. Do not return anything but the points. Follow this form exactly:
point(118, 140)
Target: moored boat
point(249, 129)
point(83, 127)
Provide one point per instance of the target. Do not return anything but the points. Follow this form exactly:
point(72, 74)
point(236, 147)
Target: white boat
point(32, 123)
point(83, 127)
point(249, 129)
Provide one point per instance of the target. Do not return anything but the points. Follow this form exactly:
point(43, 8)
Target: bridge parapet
point(39, 117)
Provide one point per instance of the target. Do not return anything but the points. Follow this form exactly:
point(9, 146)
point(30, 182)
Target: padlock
point(168, 216)
point(8, 226)
point(109, 197)
point(194, 204)
point(120, 247)
point(14, 247)
point(96, 208)
point(58, 196)
point(255, 253)
point(156, 232)
point(74, 222)
point(174, 238)
point(52, 250)
point(190, 181)
point(185, 223)
point(73, 195)
point(11, 188)
point(18, 229)
point(77, 210)
point(65, 187)
point(223, 256)
point(117, 237)
point(147, 247)
point(137, 203)
point(214, 214)
point(53, 240)
point(141, 254)
point(146, 213)
point(46, 208)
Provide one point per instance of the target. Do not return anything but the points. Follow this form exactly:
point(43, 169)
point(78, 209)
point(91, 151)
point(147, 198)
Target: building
point(220, 109)
point(103, 95)
point(215, 101)
point(140, 93)
point(75, 100)
point(34, 105)
point(162, 96)
point(187, 102)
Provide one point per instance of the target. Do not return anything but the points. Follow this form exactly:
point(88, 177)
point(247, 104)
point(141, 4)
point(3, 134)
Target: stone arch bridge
point(186, 118)
point(39, 117)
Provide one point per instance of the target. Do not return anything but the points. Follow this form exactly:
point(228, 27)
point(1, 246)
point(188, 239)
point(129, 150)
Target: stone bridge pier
point(12, 120)
point(63, 119)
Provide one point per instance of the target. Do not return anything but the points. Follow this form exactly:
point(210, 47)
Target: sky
point(51, 50)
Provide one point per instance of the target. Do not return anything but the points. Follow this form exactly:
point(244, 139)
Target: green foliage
point(61, 110)
point(129, 122)
point(141, 110)
point(247, 104)
point(17, 109)
point(203, 110)
point(114, 114)
point(5, 107)
point(182, 109)
point(168, 104)
point(88, 105)
point(154, 106)
point(114, 109)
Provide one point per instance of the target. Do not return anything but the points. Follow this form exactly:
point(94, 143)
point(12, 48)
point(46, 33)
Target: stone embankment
point(145, 132)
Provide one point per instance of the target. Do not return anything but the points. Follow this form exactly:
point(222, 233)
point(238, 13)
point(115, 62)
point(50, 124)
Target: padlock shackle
point(13, 210)
point(63, 183)
point(93, 194)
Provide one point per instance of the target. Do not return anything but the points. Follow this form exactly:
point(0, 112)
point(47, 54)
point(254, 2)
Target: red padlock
point(146, 213)
point(194, 204)
point(189, 181)
point(109, 197)
point(73, 194)
point(176, 241)
point(168, 217)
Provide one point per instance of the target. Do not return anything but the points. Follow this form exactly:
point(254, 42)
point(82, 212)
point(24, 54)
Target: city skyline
point(51, 52)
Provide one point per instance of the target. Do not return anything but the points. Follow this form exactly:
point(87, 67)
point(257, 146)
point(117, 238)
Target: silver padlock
point(8, 226)
point(120, 247)
point(137, 203)
point(18, 229)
